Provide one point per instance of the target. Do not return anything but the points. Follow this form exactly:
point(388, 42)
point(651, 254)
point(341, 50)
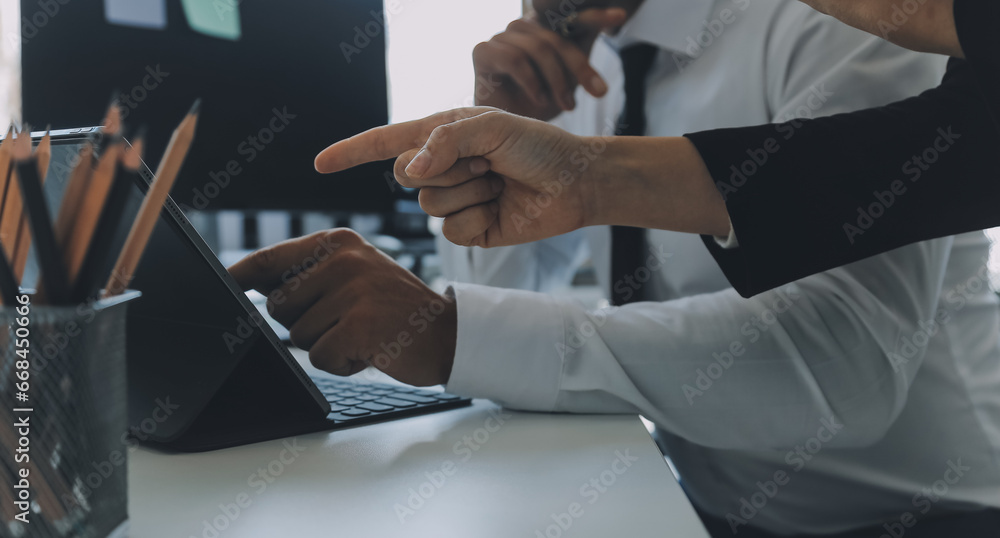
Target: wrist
point(659, 183)
point(447, 338)
point(611, 184)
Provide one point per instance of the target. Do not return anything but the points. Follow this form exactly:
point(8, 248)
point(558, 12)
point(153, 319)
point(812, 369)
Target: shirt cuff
point(507, 347)
point(728, 242)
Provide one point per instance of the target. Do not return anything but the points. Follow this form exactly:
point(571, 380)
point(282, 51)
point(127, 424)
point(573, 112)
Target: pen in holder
point(63, 401)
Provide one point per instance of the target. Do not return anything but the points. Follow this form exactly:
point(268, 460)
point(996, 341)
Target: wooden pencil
point(44, 153)
point(8, 285)
point(11, 218)
point(99, 255)
point(90, 210)
point(5, 166)
point(152, 204)
point(76, 187)
point(110, 128)
point(19, 228)
point(50, 263)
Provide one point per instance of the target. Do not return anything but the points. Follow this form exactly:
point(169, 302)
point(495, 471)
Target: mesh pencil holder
point(63, 416)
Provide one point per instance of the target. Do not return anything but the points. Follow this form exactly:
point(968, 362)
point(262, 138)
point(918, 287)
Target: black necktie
point(628, 245)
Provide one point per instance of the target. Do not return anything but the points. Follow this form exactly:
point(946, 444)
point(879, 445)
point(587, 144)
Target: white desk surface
point(525, 477)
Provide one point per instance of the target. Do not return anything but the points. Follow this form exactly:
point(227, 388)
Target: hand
point(351, 306)
point(496, 178)
point(532, 71)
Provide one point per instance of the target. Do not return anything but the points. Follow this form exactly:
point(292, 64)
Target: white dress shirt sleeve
point(716, 369)
point(805, 80)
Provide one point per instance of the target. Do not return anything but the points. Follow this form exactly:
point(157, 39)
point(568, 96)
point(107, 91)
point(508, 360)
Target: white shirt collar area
point(665, 23)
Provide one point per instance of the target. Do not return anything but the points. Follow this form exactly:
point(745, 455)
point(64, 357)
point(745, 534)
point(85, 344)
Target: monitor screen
point(303, 74)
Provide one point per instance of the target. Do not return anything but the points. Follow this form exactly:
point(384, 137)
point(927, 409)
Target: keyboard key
point(395, 403)
point(415, 398)
point(349, 402)
point(337, 408)
point(369, 397)
point(447, 397)
point(348, 394)
point(355, 413)
point(378, 408)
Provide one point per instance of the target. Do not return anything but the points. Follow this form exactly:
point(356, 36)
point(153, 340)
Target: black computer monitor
point(296, 58)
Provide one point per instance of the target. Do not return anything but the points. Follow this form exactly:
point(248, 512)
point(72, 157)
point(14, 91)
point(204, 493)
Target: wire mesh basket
point(64, 445)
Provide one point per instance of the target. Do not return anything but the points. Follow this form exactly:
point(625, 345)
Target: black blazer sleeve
point(807, 196)
point(811, 195)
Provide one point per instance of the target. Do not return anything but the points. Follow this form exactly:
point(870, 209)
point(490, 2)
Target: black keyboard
point(362, 402)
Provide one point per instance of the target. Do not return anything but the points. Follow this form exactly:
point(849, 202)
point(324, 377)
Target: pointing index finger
point(387, 141)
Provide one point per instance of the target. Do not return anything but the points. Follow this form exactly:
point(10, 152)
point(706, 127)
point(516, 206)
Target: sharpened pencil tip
point(196, 107)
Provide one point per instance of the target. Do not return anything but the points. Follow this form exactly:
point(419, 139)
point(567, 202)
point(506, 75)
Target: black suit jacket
point(849, 186)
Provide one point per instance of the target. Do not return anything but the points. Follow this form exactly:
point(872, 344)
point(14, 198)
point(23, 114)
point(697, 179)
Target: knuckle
point(344, 236)
point(516, 24)
point(352, 261)
point(440, 134)
point(480, 50)
point(456, 114)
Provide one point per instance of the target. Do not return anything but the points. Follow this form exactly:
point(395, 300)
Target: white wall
point(430, 51)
